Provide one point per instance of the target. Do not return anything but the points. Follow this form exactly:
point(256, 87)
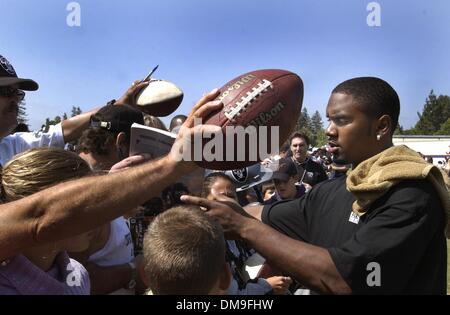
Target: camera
point(141, 221)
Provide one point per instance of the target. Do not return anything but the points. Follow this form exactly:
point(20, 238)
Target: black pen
point(147, 78)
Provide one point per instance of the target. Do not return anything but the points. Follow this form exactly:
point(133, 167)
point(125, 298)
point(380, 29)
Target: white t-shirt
point(119, 249)
point(22, 141)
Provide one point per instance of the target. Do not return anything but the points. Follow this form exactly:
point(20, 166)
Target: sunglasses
point(8, 91)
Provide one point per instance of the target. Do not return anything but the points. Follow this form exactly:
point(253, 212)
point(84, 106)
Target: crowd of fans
point(103, 227)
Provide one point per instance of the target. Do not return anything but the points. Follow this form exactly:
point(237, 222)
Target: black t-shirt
point(402, 232)
point(311, 172)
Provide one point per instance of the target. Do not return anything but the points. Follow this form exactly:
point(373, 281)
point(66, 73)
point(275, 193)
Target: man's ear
point(142, 274)
point(225, 278)
point(121, 139)
point(123, 144)
point(385, 126)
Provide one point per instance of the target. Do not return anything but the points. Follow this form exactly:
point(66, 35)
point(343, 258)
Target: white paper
point(150, 140)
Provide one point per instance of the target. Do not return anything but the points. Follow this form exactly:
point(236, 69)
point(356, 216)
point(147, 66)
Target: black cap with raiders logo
point(8, 77)
point(248, 177)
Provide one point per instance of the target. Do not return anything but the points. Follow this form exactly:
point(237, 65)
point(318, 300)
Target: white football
point(159, 98)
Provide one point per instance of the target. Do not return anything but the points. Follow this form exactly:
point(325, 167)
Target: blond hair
point(37, 169)
point(184, 252)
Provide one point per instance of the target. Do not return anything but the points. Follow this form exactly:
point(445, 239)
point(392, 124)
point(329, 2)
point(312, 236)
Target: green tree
point(75, 111)
point(445, 128)
point(319, 136)
point(435, 113)
point(316, 123)
point(399, 130)
point(304, 123)
point(49, 122)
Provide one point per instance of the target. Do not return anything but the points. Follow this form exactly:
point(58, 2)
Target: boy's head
point(184, 253)
point(284, 179)
point(216, 184)
point(107, 140)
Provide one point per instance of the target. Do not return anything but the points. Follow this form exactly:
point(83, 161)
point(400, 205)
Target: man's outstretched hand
point(129, 97)
point(231, 215)
point(183, 148)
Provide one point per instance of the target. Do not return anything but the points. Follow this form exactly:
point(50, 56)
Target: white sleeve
point(22, 141)
point(258, 286)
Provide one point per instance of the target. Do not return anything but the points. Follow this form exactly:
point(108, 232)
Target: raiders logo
point(240, 175)
point(7, 66)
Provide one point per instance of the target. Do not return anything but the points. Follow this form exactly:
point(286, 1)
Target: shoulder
point(11, 140)
point(330, 186)
point(419, 192)
point(271, 200)
point(411, 199)
point(311, 164)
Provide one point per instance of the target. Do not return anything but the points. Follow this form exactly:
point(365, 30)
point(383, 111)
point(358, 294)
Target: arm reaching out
point(74, 207)
point(74, 126)
point(309, 264)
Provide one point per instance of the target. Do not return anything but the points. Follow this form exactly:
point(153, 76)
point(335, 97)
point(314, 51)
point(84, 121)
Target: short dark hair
point(117, 118)
point(172, 194)
point(95, 140)
point(299, 135)
point(376, 96)
point(210, 180)
point(266, 186)
point(285, 147)
point(106, 124)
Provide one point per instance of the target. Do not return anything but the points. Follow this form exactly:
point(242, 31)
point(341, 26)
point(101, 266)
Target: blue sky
point(203, 44)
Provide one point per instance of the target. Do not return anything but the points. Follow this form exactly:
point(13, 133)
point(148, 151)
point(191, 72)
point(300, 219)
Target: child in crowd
point(184, 254)
point(215, 185)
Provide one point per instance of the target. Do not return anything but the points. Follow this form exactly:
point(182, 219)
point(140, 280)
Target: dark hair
point(171, 195)
point(21, 127)
point(153, 207)
point(210, 180)
point(95, 140)
point(376, 96)
point(299, 135)
point(266, 186)
point(285, 148)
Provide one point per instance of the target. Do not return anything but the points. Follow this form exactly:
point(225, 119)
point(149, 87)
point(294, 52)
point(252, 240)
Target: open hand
point(230, 214)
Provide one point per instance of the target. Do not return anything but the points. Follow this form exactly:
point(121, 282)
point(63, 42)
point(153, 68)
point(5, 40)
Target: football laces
point(246, 101)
